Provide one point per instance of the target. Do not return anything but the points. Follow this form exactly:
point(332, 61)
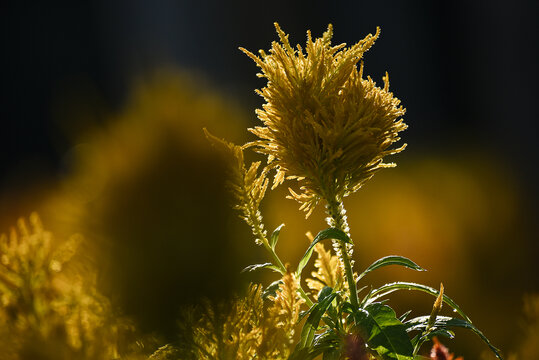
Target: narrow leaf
point(386, 289)
point(429, 335)
point(391, 260)
point(444, 322)
point(442, 332)
point(330, 233)
point(261, 266)
point(404, 316)
point(329, 344)
point(272, 288)
point(301, 354)
point(311, 325)
point(324, 293)
point(304, 313)
point(331, 354)
point(275, 236)
point(383, 332)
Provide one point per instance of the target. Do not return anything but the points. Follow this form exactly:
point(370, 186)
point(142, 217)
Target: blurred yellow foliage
point(146, 172)
point(247, 328)
point(50, 307)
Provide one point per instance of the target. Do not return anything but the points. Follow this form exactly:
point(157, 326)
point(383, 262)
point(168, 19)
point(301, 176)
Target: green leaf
point(272, 288)
point(327, 343)
point(304, 313)
point(383, 332)
point(301, 354)
point(444, 322)
point(261, 266)
point(442, 332)
point(387, 289)
point(404, 316)
point(329, 322)
point(331, 354)
point(330, 233)
point(391, 260)
point(275, 236)
point(311, 325)
point(324, 293)
point(347, 308)
point(432, 333)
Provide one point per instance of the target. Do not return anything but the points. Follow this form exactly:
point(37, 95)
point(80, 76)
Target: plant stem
point(338, 220)
point(305, 297)
point(260, 234)
point(420, 342)
point(283, 269)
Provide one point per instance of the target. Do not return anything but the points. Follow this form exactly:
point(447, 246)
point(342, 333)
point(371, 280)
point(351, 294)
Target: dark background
point(465, 70)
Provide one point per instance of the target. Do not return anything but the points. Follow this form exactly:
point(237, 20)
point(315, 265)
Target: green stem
point(338, 220)
point(305, 297)
point(276, 260)
point(260, 234)
point(420, 342)
point(283, 269)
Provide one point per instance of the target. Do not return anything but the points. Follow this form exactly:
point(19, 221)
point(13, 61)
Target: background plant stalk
point(260, 234)
point(337, 219)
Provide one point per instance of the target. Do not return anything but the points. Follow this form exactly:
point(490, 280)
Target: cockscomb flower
point(323, 124)
point(247, 185)
point(328, 270)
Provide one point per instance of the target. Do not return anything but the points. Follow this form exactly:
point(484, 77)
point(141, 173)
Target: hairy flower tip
point(328, 272)
point(281, 320)
point(229, 330)
point(324, 125)
point(286, 304)
point(246, 184)
point(436, 307)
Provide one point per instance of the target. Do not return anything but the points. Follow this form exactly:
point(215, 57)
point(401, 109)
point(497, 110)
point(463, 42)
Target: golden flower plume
point(246, 328)
point(328, 271)
point(323, 124)
point(247, 185)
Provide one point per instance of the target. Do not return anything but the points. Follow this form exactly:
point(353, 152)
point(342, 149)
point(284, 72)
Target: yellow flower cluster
point(329, 271)
point(282, 320)
point(323, 124)
point(248, 187)
point(50, 307)
point(228, 331)
point(245, 329)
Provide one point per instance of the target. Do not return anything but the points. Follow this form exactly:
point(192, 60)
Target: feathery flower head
point(323, 124)
point(329, 271)
point(247, 185)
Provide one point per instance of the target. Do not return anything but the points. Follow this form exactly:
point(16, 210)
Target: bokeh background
point(102, 110)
